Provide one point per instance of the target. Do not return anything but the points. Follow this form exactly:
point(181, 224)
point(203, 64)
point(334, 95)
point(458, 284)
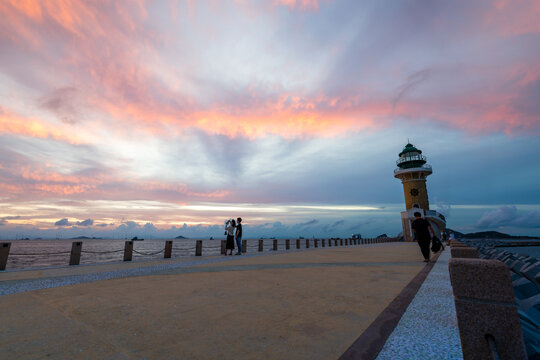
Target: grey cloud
point(333, 226)
point(62, 102)
point(309, 223)
point(509, 216)
point(338, 223)
point(129, 225)
point(87, 222)
point(4, 220)
point(62, 222)
point(413, 81)
point(66, 222)
point(149, 226)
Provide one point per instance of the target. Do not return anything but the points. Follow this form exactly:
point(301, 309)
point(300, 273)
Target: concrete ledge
point(487, 315)
point(463, 252)
point(481, 279)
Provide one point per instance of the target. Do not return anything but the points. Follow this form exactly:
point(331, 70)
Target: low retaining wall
point(524, 274)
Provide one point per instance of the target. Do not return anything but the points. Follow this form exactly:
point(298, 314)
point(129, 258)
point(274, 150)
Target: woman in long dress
point(229, 226)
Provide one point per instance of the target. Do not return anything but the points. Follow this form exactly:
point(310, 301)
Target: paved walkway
point(298, 305)
point(428, 329)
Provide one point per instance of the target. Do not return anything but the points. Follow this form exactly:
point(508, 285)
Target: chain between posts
point(148, 254)
point(101, 252)
point(41, 254)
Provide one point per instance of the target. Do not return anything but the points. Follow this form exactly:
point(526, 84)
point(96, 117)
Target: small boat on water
point(136, 239)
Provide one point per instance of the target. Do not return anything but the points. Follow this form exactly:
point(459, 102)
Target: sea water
point(28, 254)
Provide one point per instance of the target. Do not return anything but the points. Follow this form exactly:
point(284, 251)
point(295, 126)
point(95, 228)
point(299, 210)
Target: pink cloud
point(101, 49)
point(298, 4)
point(514, 17)
point(24, 179)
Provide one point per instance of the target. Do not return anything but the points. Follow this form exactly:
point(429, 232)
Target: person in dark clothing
point(421, 229)
point(229, 227)
point(238, 235)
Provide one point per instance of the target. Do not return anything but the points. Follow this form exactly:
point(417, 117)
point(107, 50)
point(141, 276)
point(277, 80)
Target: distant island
point(489, 235)
point(86, 238)
point(180, 237)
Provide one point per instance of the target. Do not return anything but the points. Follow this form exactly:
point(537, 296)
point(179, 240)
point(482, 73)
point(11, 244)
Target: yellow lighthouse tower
point(413, 171)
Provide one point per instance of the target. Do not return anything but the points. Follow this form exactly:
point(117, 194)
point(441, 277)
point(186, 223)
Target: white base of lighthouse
point(436, 219)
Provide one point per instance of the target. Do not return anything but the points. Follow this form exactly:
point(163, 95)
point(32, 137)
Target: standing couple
point(230, 226)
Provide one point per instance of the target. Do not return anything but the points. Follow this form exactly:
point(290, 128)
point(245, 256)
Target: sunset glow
point(289, 113)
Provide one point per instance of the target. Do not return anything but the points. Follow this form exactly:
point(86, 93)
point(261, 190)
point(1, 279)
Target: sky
point(164, 118)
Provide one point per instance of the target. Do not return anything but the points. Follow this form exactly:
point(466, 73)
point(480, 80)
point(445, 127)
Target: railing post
point(346, 242)
point(168, 249)
point(223, 245)
point(198, 248)
point(275, 244)
point(4, 254)
point(261, 245)
point(322, 242)
point(298, 243)
point(307, 243)
point(287, 244)
point(75, 257)
point(316, 242)
point(335, 242)
point(128, 251)
point(329, 242)
point(244, 246)
point(340, 242)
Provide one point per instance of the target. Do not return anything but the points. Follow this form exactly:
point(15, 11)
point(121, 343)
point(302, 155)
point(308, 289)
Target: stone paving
point(428, 329)
point(311, 304)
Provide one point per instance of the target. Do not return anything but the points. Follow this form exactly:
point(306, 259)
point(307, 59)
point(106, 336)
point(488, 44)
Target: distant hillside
point(488, 234)
point(180, 237)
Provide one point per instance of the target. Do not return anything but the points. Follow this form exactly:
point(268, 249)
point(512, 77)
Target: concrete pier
point(295, 305)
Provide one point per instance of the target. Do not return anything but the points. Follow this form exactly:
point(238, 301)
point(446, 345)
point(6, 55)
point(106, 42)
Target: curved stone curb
point(372, 340)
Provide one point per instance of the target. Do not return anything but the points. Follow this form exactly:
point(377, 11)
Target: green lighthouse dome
point(410, 157)
point(410, 148)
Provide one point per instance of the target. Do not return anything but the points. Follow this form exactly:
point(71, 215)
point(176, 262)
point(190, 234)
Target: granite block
point(477, 321)
point(464, 252)
point(481, 279)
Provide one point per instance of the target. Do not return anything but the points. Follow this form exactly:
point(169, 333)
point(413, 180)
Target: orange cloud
point(18, 125)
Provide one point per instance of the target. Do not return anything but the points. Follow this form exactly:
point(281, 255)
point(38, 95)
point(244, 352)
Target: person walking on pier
point(421, 229)
point(229, 228)
point(238, 235)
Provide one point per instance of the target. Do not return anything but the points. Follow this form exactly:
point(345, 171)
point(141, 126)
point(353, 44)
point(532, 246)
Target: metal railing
point(410, 158)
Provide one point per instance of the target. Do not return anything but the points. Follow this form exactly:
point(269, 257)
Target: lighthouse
point(413, 170)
